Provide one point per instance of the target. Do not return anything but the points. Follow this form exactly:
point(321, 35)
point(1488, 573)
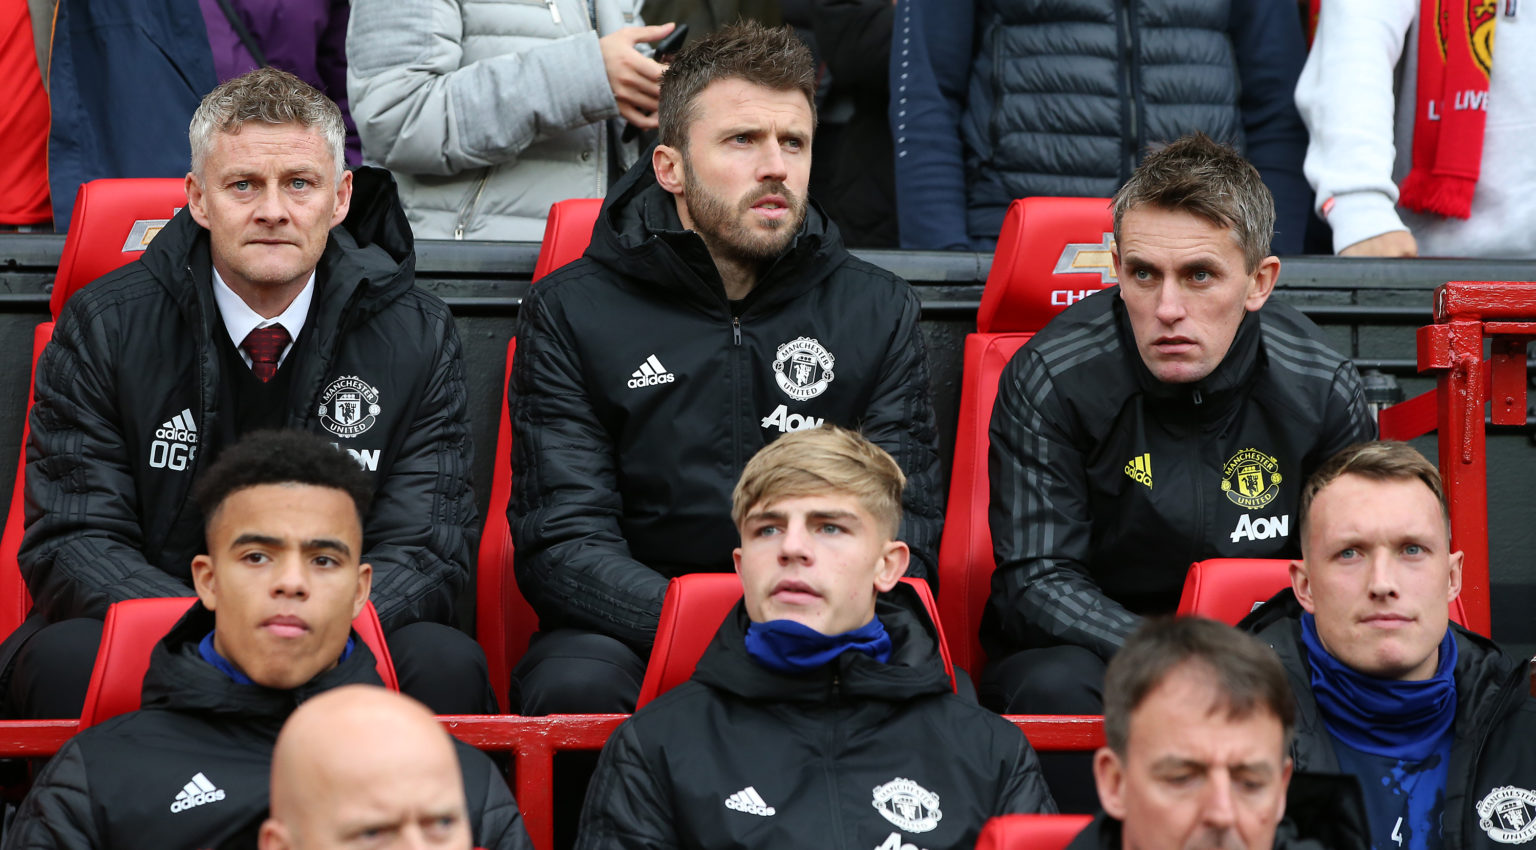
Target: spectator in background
point(1434, 161)
point(125, 77)
point(853, 176)
point(823, 701)
point(487, 113)
point(705, 16)
point(1198, 719)
point(23, 119)
point(363, 767)
point(1435, 721)
point(993, 100)
point(1169, 419)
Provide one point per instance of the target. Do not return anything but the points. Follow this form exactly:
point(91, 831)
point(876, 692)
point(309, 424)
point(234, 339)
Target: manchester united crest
point(908, 805)
point(1508, 814)
point(348, 407)
point(1251, 479)
point(802, 368)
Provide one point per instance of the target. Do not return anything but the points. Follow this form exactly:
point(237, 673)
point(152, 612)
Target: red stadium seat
point(695, 606)
point(504, 621)
point(1227, 589)
point(1051, 253)
point(15, 601)
point(134, 627)
point(112, 223)
point(1031, 832)
point(567, 232)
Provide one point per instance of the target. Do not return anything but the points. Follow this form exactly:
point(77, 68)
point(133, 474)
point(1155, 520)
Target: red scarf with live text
point(1455, 58)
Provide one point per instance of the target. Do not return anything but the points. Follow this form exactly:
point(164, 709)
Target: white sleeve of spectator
point(1346, 98)
point(421, 108)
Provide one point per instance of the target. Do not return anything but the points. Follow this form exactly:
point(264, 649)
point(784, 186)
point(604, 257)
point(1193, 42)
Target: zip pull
point(1197, 397)
point(554, 10)
point(736, 329)
point(458, 230)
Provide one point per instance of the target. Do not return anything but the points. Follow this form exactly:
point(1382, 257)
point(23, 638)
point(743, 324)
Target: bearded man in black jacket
point(282, 296)
point(277, 591)
point(715, 310)
point(822, 713)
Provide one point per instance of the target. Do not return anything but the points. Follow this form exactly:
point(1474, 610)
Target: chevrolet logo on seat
point(144, 230)
point(1089, 258)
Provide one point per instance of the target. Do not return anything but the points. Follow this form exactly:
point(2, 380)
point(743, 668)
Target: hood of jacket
point(180, 680)
point(916, 667)
point(639, 236)
point(369, 259)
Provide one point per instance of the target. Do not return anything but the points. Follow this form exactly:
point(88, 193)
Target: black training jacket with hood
point(128, 412)
point(639, 392)
point(857, 754)
point(1490, 794)
point(192, 769)
point(1108, 483)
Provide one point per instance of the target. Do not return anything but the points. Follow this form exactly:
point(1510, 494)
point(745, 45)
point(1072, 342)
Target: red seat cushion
point(15, 601)
point(134, 626)
point(695, 606)
point(112, 223)
point(1031, 832)
point(1050, 253)
point(567, 232)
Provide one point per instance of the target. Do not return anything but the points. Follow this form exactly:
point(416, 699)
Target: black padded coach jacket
point(857, 754)
point(639, 392)
point(128, 412)
point(192, 769)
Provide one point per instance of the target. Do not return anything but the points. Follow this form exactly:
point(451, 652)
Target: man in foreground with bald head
point(361, 765)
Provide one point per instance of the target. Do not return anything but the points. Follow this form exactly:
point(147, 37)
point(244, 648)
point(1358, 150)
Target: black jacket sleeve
point(83, 548)
point(1024, 792)
point(494, 818)
point(1347, 420)
point(1041, 524)
point(572, 562)
point(627, 808)
point(900, 420)
point(423, 525)
point(57, 813)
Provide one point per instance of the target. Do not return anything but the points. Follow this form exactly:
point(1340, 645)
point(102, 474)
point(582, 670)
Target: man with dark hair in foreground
point(277, 592)
point(1435, 721)
point(1197, 720)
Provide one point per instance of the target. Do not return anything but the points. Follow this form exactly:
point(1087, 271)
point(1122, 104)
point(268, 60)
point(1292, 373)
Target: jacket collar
point(180, 679)
point(639, 235)
point(915, 669)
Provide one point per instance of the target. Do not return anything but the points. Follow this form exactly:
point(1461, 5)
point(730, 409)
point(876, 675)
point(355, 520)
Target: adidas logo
point(650, 373)
point(180, 428)
point(197, 792)
point(1140, 469)
point(749, 801)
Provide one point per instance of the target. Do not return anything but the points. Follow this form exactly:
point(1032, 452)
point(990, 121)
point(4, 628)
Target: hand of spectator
point(634, 78)
point(1394, 243)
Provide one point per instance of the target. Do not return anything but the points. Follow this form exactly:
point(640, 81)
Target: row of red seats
point(1051, 253)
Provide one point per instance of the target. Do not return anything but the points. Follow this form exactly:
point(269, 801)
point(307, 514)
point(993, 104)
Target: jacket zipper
point(1207, 514)
point(736, 329)
point(554, 10)
point(1131, 130)
point(829, 765)
point(468, 211)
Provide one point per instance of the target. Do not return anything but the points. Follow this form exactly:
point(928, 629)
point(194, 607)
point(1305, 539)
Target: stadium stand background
point(1369, 309)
